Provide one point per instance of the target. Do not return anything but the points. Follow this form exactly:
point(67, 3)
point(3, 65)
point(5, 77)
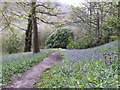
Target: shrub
point(89, 41)
point(72, 44)
point(113, 38)
point(59, 39)
point(12, 44)
point(86, 42)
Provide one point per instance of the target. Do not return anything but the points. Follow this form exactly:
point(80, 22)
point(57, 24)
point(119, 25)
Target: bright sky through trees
point(72, 2)
point(77, 2)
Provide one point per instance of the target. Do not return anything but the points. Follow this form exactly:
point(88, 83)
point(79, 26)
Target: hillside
point(88, 68)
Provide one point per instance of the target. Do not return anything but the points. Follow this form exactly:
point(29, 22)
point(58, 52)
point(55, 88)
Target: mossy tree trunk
point(28, 36)
point(34, 27)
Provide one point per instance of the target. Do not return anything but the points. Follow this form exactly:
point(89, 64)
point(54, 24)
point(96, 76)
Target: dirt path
point(30, 77)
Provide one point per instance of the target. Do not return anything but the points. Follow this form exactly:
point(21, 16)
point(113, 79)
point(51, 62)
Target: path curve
point(30, 77)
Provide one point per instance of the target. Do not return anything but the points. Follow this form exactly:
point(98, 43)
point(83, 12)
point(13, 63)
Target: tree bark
point(28, 37)
point(90, 17)
point(34, 27)
point(119, 19)
point(119, 33)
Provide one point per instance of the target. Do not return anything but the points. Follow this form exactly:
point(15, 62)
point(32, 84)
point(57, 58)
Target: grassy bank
point(16, 67)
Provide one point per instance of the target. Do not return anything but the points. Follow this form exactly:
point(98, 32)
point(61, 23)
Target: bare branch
point(52, 23)
point(46, 22)
point(43, 6)
point(4, 28)
point(47, 13)
point(19, 14)
point(50, 14)
point(7, 21)
point(19, 27)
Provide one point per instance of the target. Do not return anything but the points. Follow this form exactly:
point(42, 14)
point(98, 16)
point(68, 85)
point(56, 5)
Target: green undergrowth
point(88, 68)
point(15, 68)
point(100, 76)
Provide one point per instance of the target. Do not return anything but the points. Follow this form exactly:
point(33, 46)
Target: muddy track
point(30, 77)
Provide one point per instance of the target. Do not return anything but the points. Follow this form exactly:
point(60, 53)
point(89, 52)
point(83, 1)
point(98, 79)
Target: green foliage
point(12, 68)
point(59, 39)
point(113, 38)
point(98, 78)
point(89, 41)
point(86, 41)
point(12, 44)
point(72, 44)
point(111, 25)
point(83, 42)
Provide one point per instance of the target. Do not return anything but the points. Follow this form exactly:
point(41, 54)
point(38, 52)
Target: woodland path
point(30, 77)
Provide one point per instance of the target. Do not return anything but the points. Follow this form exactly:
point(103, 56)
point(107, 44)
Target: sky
point(77, 2)
point(71, 2)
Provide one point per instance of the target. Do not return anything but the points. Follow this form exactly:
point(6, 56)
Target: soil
point(30, 77)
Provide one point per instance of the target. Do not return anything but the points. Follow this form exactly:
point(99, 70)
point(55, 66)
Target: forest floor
point(75, 68)
point(30, 77)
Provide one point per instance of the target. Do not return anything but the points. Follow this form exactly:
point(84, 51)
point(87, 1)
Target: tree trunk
point(90, 17)
point(34, 27)
point(101, 20)
point(28, 37)
point(119, 19)
point(98, 23)
point(119, 33)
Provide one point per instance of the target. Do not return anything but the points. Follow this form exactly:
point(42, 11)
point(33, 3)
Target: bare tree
point(93, 15)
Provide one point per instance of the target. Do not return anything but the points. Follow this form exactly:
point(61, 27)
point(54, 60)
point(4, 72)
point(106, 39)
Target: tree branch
point(46, 22)
point(50, 14)
point(47, 13)
point(19, 27)
point(46, 6)
point(4, 28)
point(7, 21)
point(52, 23)
point(43, 6)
